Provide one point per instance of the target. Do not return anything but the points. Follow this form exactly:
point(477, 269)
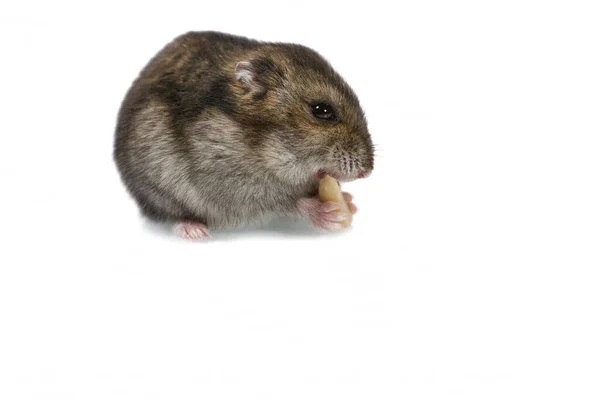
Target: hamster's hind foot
point(192, 230)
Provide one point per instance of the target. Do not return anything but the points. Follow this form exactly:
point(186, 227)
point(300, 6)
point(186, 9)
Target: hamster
point(222, 131)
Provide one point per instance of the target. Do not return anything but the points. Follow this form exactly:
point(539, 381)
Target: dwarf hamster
point(224, 131)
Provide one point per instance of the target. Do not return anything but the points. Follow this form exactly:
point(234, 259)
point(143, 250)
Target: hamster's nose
point(363, 174)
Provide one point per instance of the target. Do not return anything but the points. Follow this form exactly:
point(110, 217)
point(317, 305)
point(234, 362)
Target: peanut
point(329, 190)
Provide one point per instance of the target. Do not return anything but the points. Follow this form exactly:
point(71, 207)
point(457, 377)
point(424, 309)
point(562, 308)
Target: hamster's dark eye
point(323, 111)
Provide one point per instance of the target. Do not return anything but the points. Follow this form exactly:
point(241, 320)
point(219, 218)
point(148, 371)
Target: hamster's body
point(213, 132)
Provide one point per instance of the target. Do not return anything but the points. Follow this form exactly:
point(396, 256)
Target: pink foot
point(326, 216)
point(192, 230)
point(351, 205)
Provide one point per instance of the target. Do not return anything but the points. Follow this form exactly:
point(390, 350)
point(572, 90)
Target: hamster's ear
point(252, 75)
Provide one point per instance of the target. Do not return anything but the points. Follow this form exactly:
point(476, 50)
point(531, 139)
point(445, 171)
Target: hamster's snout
point(352, 160)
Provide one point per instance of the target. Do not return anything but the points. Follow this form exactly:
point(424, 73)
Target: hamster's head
point(304, 115)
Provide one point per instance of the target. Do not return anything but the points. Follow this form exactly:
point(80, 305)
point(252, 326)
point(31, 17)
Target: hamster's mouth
point(322, 173)
point(340, 178)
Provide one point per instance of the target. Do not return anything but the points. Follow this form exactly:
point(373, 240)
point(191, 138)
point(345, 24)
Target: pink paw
point(348, 197)
point(192, 230)
point(326, 216)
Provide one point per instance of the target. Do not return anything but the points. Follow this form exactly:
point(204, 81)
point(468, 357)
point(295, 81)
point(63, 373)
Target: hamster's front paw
point(326, 216)
point(192, 230)
point(351, 205)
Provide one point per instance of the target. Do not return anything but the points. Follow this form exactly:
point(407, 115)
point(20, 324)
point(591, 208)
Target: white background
point(472, 268)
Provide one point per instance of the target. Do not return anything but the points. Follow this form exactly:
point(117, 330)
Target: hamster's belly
point(234, 198)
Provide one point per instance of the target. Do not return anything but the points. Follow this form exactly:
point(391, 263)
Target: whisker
point(345, 169)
